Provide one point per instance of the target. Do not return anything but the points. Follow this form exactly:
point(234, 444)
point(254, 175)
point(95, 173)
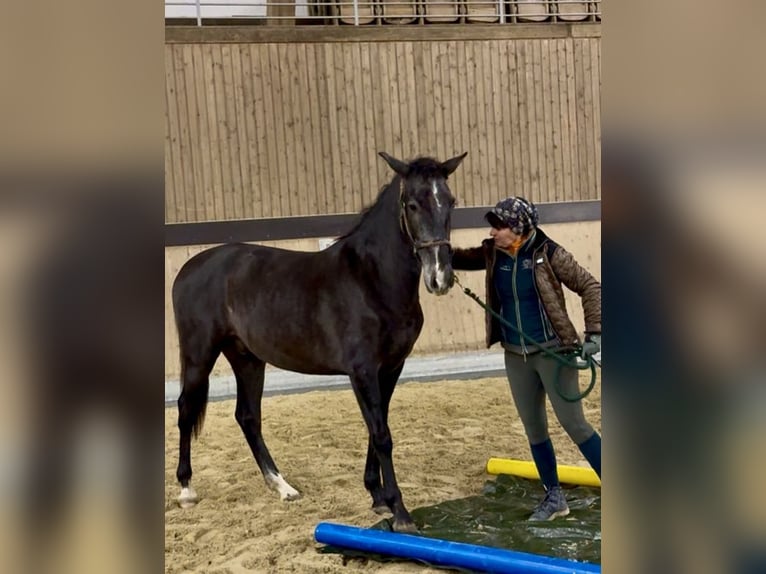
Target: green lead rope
point(565, 359)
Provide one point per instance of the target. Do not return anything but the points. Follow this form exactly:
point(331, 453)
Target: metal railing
point(382, 12)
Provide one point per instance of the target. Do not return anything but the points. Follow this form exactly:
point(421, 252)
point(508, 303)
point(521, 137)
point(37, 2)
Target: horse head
point(426, 204)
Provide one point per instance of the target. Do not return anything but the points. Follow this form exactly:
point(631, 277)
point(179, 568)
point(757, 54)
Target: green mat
point(498, 517)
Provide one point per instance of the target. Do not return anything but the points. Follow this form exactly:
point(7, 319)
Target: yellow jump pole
point(525, 469)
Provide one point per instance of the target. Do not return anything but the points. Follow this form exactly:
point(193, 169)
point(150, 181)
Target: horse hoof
point(381, 509)
point(187, 498)
point(288, 496)
point(404, 527)
point(276, 482)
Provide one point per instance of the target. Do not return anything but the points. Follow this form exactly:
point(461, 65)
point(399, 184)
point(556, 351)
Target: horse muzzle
point(438, 275)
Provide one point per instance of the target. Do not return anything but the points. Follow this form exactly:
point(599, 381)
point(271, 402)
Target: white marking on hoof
point(188, 497)
point(286, 492)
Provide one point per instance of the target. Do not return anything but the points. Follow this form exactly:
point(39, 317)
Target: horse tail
point(195, 396)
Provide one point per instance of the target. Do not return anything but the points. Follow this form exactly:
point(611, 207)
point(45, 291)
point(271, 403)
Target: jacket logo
point(505, 268)
point(526, 264)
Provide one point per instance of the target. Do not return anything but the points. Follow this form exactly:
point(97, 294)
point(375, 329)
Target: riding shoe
point(553, 505)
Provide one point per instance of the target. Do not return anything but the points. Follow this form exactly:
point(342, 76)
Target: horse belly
point(291, 338)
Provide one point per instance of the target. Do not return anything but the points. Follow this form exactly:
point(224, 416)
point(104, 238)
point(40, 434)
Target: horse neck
point(379, 241)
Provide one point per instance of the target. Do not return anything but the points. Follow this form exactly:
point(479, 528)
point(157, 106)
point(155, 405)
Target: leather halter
point(405, 226)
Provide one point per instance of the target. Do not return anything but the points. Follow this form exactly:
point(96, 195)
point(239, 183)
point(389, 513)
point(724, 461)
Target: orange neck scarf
point(516, 245)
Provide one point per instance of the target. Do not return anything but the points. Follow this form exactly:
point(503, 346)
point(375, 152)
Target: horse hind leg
point(191, 413)
point(249, 372)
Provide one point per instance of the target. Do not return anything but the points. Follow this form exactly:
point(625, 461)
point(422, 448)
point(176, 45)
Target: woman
point(525, 271)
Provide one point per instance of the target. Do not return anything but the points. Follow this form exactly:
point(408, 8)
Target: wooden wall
point(453, 322)
point(277, 129)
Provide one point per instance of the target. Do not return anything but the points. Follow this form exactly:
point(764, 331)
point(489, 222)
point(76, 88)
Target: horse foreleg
point(370, 398)
point(386, 383)
point(372, 480)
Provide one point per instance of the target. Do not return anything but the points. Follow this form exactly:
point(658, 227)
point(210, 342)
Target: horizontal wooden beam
point(443, 32)
point(277, 228)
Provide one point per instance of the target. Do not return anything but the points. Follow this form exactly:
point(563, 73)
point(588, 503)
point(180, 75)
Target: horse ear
point(451, 164)
point(397, 165)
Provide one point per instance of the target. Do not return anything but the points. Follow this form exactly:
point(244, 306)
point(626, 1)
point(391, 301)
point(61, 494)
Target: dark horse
point(351, 309)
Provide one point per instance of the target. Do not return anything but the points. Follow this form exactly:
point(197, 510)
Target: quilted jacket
point(558, 267)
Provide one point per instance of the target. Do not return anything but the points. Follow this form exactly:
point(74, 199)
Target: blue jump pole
point(446, 553)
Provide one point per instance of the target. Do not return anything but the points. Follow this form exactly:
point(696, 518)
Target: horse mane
point(373, 208)
point(425, 167)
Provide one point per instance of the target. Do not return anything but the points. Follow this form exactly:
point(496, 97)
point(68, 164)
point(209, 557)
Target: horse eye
point(412, 206)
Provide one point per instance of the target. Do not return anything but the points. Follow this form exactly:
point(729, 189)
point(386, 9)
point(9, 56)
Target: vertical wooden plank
point(572, 112)
point(306, 178)
point(174, 193)
point(496, 54)
point(314, 144)
point(523, 73)
point(472, 126)
point(460, 119)
point(432, 134)
point(236, 205)
point(409, 120)
point(232, 128)
point(582, 158)
point(192, 158)
point(296, 159)
point(254, 205)
point(362, 146)
point(288, 155)
point(444, 113)
point(514, 129)
point(222, 129)
point(491, 119)
point(277, 109)
point(344, 183)
point(325, 151)
point(535, 147)
point(351, 159)
point(546, 98)
point(168, 165)
point(204, 161)
point(332, 119)
point(462, 76)
point(305, 59)
point(244, 129)
point(264, 129)
point(383, 112)
point(424, 102)
point(396, 106)
point(593, 96)
point(596, 87)
point(557, 194)
point(484, 181)
point(184, 138)
point(566, 157)
point(586, 119)
point(211, 111)
point(372, 182)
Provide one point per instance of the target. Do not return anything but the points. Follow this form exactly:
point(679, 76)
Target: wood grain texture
point(287, 129)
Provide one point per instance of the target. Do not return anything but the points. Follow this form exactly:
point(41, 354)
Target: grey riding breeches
point(534, 378)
